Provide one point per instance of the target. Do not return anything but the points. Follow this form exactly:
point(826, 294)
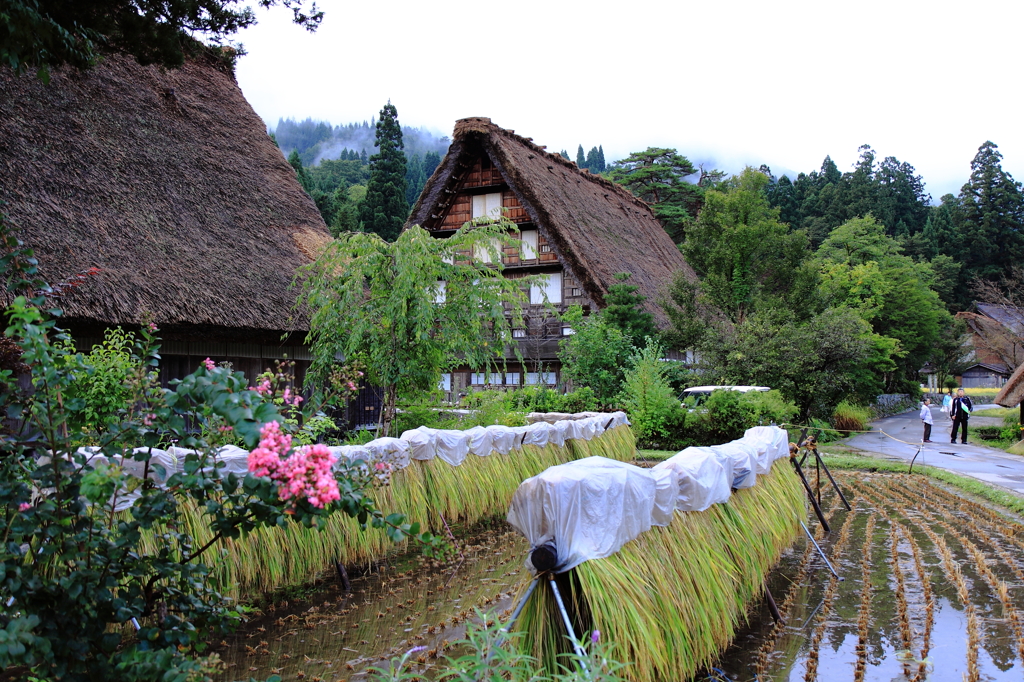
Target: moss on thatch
point(165, 180)
point(597, 228)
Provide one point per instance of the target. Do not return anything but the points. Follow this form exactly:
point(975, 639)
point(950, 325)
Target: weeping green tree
point(414, 308)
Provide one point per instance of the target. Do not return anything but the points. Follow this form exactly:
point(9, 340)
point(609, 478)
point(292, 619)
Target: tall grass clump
point(671, 599)
point(432, 493)
point(849, 417)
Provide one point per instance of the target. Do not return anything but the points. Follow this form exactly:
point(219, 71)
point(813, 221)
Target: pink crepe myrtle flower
point(24, 506)
point(148, 419)
point(263, 389)
point(151, 326)
point(351, 386)
point(305, 473)
point(210, 365)
point(291, 398)
point(225, 429)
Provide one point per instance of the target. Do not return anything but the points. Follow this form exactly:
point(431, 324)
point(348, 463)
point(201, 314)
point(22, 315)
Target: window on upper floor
point(529, 239)
point(487, 205)
point(552, 287)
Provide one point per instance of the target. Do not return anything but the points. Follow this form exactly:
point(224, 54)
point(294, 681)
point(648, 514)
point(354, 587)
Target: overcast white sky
point(782, 83)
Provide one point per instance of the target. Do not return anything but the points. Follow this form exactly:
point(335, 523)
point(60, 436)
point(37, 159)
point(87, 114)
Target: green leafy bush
point(726, 415)
point(849, 417)
point(102, 378)
point(646, 394)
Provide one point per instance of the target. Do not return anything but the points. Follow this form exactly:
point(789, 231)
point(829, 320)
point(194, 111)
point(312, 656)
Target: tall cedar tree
point(385, 209)
point(581, 160)
point(991, 217)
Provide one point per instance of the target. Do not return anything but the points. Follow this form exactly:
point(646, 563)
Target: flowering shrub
point(75, 570)
point(306, 473)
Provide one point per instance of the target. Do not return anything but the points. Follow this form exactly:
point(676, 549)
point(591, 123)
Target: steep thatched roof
point(994, 343)
point(597, 227)
point(1012, 392)
point(167, 182)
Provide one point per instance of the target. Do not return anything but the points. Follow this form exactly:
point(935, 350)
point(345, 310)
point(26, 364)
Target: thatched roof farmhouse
point(166, 181)
point(578, 228)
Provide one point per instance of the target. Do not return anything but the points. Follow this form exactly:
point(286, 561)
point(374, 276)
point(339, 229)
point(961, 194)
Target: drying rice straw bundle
point(478, 489)
point(671, 599)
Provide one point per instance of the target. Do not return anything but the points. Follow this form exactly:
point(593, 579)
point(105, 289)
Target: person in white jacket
point(926, 417)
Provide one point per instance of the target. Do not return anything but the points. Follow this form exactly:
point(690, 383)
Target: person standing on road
point(960, 412)
point(947, 402)
point(926, 417)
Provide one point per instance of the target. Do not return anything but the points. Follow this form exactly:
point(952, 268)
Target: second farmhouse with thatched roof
point(578, 229)
point(165, 182)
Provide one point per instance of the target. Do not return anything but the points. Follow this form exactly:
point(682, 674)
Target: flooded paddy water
point(338, 635)
point(932, 589)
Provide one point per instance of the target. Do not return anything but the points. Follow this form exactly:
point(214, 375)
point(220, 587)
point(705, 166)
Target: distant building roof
point(1010, 317)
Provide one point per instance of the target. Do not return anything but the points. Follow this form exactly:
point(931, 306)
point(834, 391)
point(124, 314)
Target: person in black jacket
point(960, 412)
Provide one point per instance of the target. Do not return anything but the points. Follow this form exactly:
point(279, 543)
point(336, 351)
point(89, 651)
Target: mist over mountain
point(316, 141)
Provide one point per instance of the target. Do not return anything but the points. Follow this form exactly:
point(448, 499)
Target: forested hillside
point(333, 163)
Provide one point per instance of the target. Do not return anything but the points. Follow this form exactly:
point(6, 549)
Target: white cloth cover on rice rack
point(503, 438)
point(587, 430)
point(350, 453)
point(394, 450)
point(481, 442)
point(452, 446)
point(777, 439)
point(741, 460)
point(769, 441)
point(589, 508)
point(422, 442)
point(537, 434)
point(619, 419)
point(702, 479)
point(556, 436)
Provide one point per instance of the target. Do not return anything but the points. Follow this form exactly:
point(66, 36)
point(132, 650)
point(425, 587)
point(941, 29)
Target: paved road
point(984, 463)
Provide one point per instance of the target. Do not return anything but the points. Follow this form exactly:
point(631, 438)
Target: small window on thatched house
point(487, 206)
point(445, 383)
point(511, 378)
point(518, 333)
point(529, 238)
point(440, 292)
point(536, 378)
point(552, 288)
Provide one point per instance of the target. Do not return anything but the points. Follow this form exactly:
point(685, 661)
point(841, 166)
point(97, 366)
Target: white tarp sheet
point(776, 438)
point(422, 443)
point(537, 434)
point(393, 450)
point(702, 478)
point(739, 459)
point(481, 441)
point(503, 438)
point(587, 509)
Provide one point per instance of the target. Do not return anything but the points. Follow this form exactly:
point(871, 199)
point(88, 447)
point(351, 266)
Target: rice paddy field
point(932, 589)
